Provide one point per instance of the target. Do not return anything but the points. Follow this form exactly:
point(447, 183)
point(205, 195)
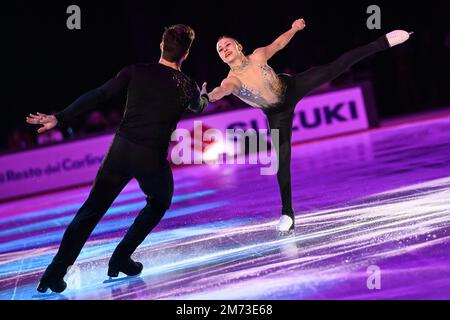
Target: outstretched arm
point(86, 102)
point(228, 86)
point(281, 42)
point(94, 98)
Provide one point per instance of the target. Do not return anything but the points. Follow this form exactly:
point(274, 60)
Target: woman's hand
point(299, 24)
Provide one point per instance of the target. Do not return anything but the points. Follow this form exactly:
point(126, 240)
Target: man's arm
point(94, 98)
point(228, 86)
point(86, 102)
point(281, 42)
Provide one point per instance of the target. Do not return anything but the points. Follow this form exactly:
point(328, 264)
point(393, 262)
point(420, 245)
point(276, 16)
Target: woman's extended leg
point(315, 77)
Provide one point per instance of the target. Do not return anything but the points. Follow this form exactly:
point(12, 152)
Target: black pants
point(125, 160)
point(297, 87)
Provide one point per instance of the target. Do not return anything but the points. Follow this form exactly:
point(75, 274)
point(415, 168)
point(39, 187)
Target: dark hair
point(177, 40)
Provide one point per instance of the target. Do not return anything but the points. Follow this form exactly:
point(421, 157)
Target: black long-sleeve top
point(157, 96)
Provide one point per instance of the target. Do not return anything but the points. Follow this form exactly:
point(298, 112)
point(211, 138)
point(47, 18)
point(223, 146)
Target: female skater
point(253, 81)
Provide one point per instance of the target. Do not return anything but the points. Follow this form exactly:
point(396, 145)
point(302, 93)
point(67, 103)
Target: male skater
point(253, 81)
point(157, 96)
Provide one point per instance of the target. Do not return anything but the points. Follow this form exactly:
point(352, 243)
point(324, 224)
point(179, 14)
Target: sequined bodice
point(271, 92)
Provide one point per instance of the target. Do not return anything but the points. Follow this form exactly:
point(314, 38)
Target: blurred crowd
point(26, 136)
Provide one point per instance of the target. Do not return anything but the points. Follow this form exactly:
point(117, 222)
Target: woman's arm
point(280, 42)
point(228, 86)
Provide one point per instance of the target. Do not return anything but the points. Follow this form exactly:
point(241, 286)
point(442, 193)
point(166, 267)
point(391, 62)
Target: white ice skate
point(397, 37)
point(285, 226)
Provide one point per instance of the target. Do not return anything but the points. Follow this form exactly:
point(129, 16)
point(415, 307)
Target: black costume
point(157, 96)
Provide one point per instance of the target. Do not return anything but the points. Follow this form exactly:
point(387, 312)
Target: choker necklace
point(242, 66)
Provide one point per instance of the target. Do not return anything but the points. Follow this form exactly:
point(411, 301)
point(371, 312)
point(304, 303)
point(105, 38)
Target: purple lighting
point(377, 198)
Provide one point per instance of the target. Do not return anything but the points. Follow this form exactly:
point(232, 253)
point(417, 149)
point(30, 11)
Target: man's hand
point(204, 90)
point(299, 24)
point(47, 121)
